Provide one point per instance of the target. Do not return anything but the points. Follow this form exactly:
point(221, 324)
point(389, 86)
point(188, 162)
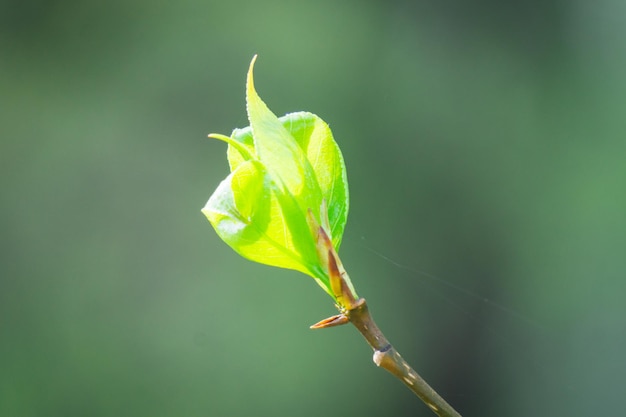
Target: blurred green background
point(485, 144)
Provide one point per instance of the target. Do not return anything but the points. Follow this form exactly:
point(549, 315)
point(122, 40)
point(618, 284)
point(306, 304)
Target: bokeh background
point(486, 150)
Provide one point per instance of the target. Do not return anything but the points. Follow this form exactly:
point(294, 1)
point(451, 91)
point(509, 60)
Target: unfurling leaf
point(282, 169)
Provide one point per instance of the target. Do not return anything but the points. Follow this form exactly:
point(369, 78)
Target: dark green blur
point(485, 144)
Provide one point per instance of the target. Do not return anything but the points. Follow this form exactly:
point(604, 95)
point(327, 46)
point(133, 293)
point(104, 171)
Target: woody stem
point(388, 358)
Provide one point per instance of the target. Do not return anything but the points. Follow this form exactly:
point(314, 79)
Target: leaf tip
point(250, 77)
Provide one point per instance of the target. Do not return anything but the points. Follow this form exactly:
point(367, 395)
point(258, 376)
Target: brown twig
point(354, 310)
point(386, 357)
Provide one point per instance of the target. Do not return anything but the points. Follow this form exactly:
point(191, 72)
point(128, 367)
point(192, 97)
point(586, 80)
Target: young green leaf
point(282, 169)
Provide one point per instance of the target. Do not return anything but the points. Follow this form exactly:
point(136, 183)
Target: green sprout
point(287, 178)
point(285, 204)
